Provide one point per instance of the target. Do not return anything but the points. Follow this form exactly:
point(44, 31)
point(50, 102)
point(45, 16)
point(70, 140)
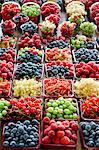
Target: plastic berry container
point(9, 31)
point(29, 95)
point(82, 116)
point(56, 146)
point(36, 17)
point(10, 16)
point(62, 119)
point(48, 65)
point(69, 59)
point(83, 141)
point(9, 91)
point(70, 93)
point(3, 124)
point(19, 62)
point(37, 78)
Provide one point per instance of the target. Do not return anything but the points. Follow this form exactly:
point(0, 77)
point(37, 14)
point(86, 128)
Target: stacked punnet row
point(49, 74)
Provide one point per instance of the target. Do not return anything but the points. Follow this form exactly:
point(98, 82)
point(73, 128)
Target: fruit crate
point(84, 146)
point(66, 77)
point(2, 125)
point(37, 78)
point(42, 59)
point(71, 94)
point(61, 119)
point(9, 93)
point(40, 95)
point(57, 146)
point(82, 117)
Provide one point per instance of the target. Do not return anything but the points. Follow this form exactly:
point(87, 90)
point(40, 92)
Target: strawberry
point(60, 134)
point(46, 140)
point(72, 142)
point(52, 121)
point(65, 140)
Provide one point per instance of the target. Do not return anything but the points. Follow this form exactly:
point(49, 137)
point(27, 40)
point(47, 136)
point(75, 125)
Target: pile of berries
point(90, 107)
point(4, 107)
point(87, 70)
point(7, 42)
point(6, 69)
point(94, 10)
point(28, 107)
point(53, 18)
point(8, 27)
point(21, 134)
point(57, 87)
point(59, 132)
point(30, 55)
point(90, 133)
point(58, 43)
point(86, 55)
point(63, 108)
point(27, 41)
point(28, 70)
point(60, 69)
point(4, 88)
point(29, 27)
point(27, 87)
point(7, 54)
point(56, 54)
point(10, 10)
point(89, 3)
point(86, 87)
point(50, 8)
point(20, 19)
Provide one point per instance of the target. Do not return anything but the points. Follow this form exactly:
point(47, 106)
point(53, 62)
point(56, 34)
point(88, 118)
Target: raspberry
point(56, 140)
point(51, 133)
point(68, 133)
point(46, 140)
point(74, 126)
point(46, 120)
point(74, 137)
point(60, 134)
point(54, 126)
point(65, 140)
point(46, 131)
point(61, 127)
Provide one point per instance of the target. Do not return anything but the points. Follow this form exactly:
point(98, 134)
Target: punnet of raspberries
point(59, 132)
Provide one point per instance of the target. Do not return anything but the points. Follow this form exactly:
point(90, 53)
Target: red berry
point(46, 140)
point(46, 120)
point(60, 134)
point(54, 126)
point(51, 133)
point(68, 133)
point(65, 140)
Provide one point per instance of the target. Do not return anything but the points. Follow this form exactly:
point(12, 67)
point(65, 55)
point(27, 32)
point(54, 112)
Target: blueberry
point(6, 143)
point(14, 130)
point(83, 124)
point(34, 122)
point(93, 125)
point(11, 125)
point(90, 144)
point(87, 127)
point(21, 144)
point(85, 132)
point(36, 135)
point(28, 140)
point(13, 144)
point(27, 122)
point(21, 129)
point(25, 136)
point(31, 144)
point(7, 134)
point(9, 138)
point(12, 135)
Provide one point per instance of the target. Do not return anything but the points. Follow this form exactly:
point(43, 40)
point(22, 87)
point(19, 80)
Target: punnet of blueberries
point(29, 70)
point(91, 133)
point(86, 55)
point(26, 55)
point(21, 134)
point(58, 43)
point(90, 45)
point(29, 27)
